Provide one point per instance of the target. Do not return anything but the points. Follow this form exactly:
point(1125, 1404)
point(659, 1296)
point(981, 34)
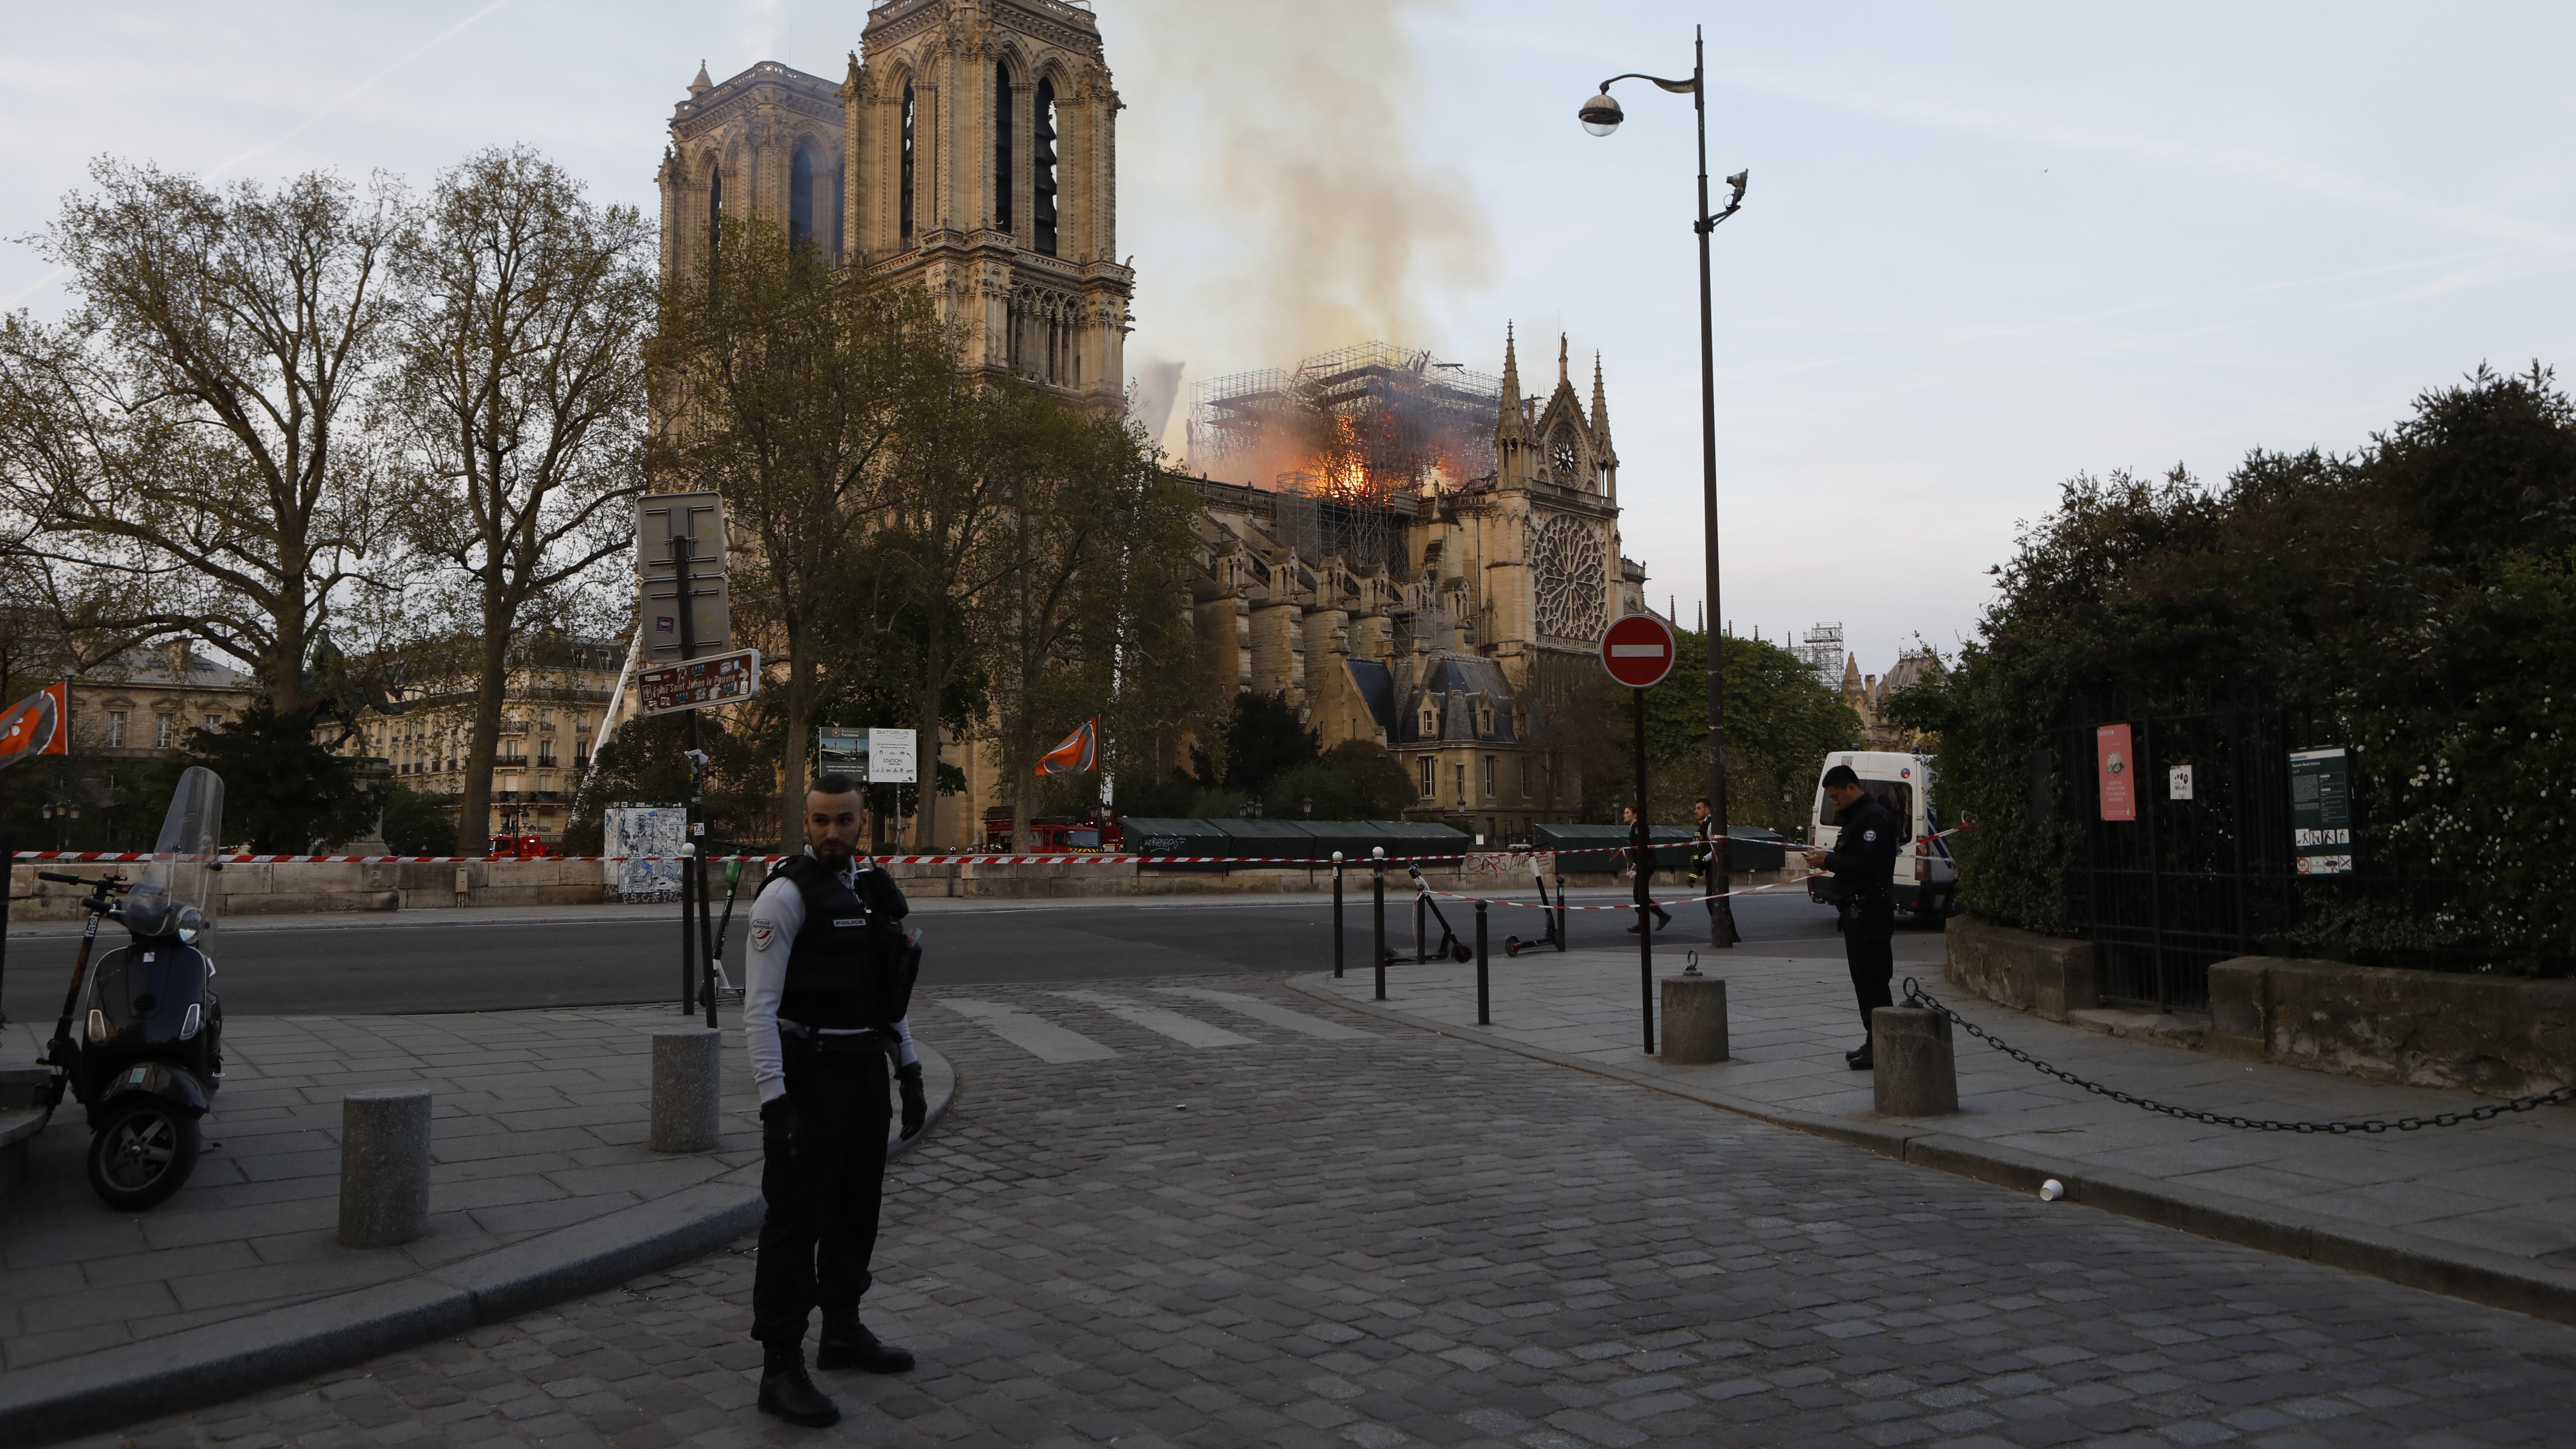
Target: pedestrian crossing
point(1057, 1044)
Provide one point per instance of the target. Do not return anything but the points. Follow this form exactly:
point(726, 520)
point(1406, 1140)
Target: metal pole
point(1337, 915)
point(1418, 899)
point(1645, 863)
point(683, 560)
point(1377, 909)
point(1484, 1003)
point(8, 888)
point(688, 937)
point(1721, 912)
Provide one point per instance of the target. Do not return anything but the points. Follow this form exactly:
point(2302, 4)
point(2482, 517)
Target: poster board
point(2321, 811)
point(893, 757)
point(643, 830)
point(2115, 764)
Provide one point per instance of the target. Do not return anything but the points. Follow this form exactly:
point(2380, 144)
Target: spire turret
point(701, 85)
point(1561, 379)
point(1601, 416)
point(1513, 425)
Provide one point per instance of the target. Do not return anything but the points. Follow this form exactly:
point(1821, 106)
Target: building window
point(1001, 146)
point(1430, 781)
point(214, 722)
point(903, 183)
point(1462, 782)
point(800, 199)
point(1525, 777)
point(165, 731)
point(1489, 777)
point(116, 729)
point(546, 750)
point(1042, 170)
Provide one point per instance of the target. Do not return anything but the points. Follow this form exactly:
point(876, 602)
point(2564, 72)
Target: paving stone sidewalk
point(1390, 1237)
point(2506, 1186)
point(540, 1122)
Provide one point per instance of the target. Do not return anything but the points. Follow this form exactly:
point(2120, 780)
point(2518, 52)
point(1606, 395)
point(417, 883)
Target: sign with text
point(1638, 651)
point(718, 679)
point(696, 522)
point(2178, 783)
point(840, 751)
point(2115, 762)
point(891, 758)
point(2321, 811)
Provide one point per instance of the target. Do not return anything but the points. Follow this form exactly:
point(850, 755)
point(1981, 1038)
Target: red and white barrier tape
point(110, 856)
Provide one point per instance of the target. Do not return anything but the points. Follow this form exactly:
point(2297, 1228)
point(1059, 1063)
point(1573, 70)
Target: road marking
point(1187, 1030)
point(1040, 1038)
point(1274, 1015)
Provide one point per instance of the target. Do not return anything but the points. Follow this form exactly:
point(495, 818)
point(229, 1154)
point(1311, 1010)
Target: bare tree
point(187, 444)
point(785, 387)
point(520, 403)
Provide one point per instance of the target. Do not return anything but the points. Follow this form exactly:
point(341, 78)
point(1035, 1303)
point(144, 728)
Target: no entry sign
point(1638, 651)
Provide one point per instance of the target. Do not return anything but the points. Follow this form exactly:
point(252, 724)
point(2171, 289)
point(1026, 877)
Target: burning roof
point(1363, 425)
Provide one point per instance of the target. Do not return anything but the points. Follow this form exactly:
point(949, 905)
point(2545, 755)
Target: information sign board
point(2321, 811)
point(891, 758)
point(2115, 763)
point(845, 751)
point(718, 679)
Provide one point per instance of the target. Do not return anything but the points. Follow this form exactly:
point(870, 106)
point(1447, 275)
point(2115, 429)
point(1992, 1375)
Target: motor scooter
point(148, 1054)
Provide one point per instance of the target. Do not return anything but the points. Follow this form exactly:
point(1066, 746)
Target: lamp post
point(1601, 115)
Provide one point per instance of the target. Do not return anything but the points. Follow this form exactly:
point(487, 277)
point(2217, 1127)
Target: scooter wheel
point(1511, 945)
point(143, 1154)
point(1465, 955)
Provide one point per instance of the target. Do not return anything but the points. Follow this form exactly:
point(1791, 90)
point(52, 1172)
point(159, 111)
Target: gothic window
point(715, 220)
point(800, 199)
point(1566, 565)
point(1042, 169)
point(1001, 146)
point(839, 211)
point(903, 184)
point(1565, 457)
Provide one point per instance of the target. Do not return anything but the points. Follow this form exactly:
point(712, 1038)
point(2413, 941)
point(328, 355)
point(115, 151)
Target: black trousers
point(821, 1225)
point(1869, 946)
point(1644, 892)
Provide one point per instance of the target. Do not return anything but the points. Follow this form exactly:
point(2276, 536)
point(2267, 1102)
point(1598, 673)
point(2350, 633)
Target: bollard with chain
point(1484, 1003)
point(1377, 911)
point(1916, 996)
point(1337, 915)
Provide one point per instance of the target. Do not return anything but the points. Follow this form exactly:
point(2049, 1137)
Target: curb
point(219, 1362)
point(2456, 1270)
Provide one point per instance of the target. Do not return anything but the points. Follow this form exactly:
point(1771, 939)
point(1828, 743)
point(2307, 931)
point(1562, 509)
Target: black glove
point(916, 1107)
point(780, 1131)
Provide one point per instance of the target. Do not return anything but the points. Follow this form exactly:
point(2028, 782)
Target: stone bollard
point(688, 1088)
point(1694, 1020)
point(1917, 1074)
point(384, 1167)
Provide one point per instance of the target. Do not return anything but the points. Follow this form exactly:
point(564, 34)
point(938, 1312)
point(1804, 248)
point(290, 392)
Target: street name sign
point(1638, 651)
point(711, 679)
point(892, 758)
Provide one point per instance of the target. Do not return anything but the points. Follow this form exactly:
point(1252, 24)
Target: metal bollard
point(1917, 1075)
point(1377, 894)
point(1694, 1020)
point(688, 1088)
point(384, 1167)
point(1337, 915)
point(1484, 1003)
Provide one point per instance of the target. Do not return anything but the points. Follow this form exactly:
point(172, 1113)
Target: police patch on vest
point(846, 921)
point(1870, 835)
point(761, 933)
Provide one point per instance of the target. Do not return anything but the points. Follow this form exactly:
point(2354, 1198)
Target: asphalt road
point(418, 962)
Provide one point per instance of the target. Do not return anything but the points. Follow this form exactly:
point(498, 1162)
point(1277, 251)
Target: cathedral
point(1436, 597)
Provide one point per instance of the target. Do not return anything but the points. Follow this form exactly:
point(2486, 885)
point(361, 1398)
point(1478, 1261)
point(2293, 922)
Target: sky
point(1986, 246)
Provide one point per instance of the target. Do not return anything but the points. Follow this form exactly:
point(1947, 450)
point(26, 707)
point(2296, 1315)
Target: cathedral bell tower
point(980, 143)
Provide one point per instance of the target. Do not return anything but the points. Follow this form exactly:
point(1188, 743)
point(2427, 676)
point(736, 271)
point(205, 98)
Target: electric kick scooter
point(1449, 945)
point(1550, 911)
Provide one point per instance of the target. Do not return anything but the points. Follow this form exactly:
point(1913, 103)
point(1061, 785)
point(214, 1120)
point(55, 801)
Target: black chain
point(1915, 995)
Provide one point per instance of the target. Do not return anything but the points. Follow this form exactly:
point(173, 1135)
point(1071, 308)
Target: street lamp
point(1601, 115)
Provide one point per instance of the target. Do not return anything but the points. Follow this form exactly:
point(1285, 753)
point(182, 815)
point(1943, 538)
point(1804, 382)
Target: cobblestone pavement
point(1280, 1236)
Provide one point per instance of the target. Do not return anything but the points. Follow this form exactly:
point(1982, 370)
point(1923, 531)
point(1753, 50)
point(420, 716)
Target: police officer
point(824, 1005)
point(1641, 859)
point(1704, 850)
point(1863, 861)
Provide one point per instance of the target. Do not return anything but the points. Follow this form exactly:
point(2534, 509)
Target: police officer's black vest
point(847, 967)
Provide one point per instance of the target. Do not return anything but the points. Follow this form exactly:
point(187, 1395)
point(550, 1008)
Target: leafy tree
point(284, 790)
point(1354, 780)
point(420, 822)
point(643, 763)
point(1780, 722)
point(519, 403)
point(1263, 740)
point(189, 442)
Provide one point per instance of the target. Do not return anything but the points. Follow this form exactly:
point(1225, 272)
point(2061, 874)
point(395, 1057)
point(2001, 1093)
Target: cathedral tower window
point(715, 222)
point(1042, 168)
point(903, 184)
point(800, 199)
point(1002, 124)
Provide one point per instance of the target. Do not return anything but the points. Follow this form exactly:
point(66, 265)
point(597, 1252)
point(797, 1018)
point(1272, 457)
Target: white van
point(1927, 879)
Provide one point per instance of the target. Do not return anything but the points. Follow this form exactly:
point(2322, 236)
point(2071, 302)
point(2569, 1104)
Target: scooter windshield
point(176, 891)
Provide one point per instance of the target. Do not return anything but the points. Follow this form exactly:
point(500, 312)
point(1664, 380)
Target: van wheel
point(143, 1154)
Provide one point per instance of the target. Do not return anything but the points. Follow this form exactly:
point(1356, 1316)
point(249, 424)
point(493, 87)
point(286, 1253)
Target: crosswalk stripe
point(1187, 1030)
point(1040, 1038)
point(1275, 1015)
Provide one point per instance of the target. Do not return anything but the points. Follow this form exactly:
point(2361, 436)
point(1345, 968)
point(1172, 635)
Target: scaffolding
point(1360, 425)
point(1823, 653)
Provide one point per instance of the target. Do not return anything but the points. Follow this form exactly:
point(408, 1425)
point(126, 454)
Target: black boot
point(786, 1392)
point(848, 1344)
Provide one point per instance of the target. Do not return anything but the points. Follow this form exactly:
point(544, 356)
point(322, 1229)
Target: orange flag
point(40, 724)
point(1079, 752)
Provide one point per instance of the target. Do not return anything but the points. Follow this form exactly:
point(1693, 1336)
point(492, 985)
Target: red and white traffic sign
point(1638, 651)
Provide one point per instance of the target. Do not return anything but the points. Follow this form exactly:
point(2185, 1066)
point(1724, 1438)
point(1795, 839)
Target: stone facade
point(1867, 694)
point(553, 702)
point(143, 702)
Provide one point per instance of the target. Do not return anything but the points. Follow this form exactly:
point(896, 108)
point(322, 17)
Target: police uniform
point(1863, 861)
point(1641, 855)
point(825, 997)
point(1704, 858)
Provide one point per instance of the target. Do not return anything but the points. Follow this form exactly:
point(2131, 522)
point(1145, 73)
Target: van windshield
point(1896, 795)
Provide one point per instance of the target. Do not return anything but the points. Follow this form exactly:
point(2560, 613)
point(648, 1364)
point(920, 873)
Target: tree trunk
point(474, 805)
point(800, 731)
point(934, 666)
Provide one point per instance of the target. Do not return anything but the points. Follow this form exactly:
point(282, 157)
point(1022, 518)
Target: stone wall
point(2501, 1035)
point(2045, 975)
point(308, 888)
